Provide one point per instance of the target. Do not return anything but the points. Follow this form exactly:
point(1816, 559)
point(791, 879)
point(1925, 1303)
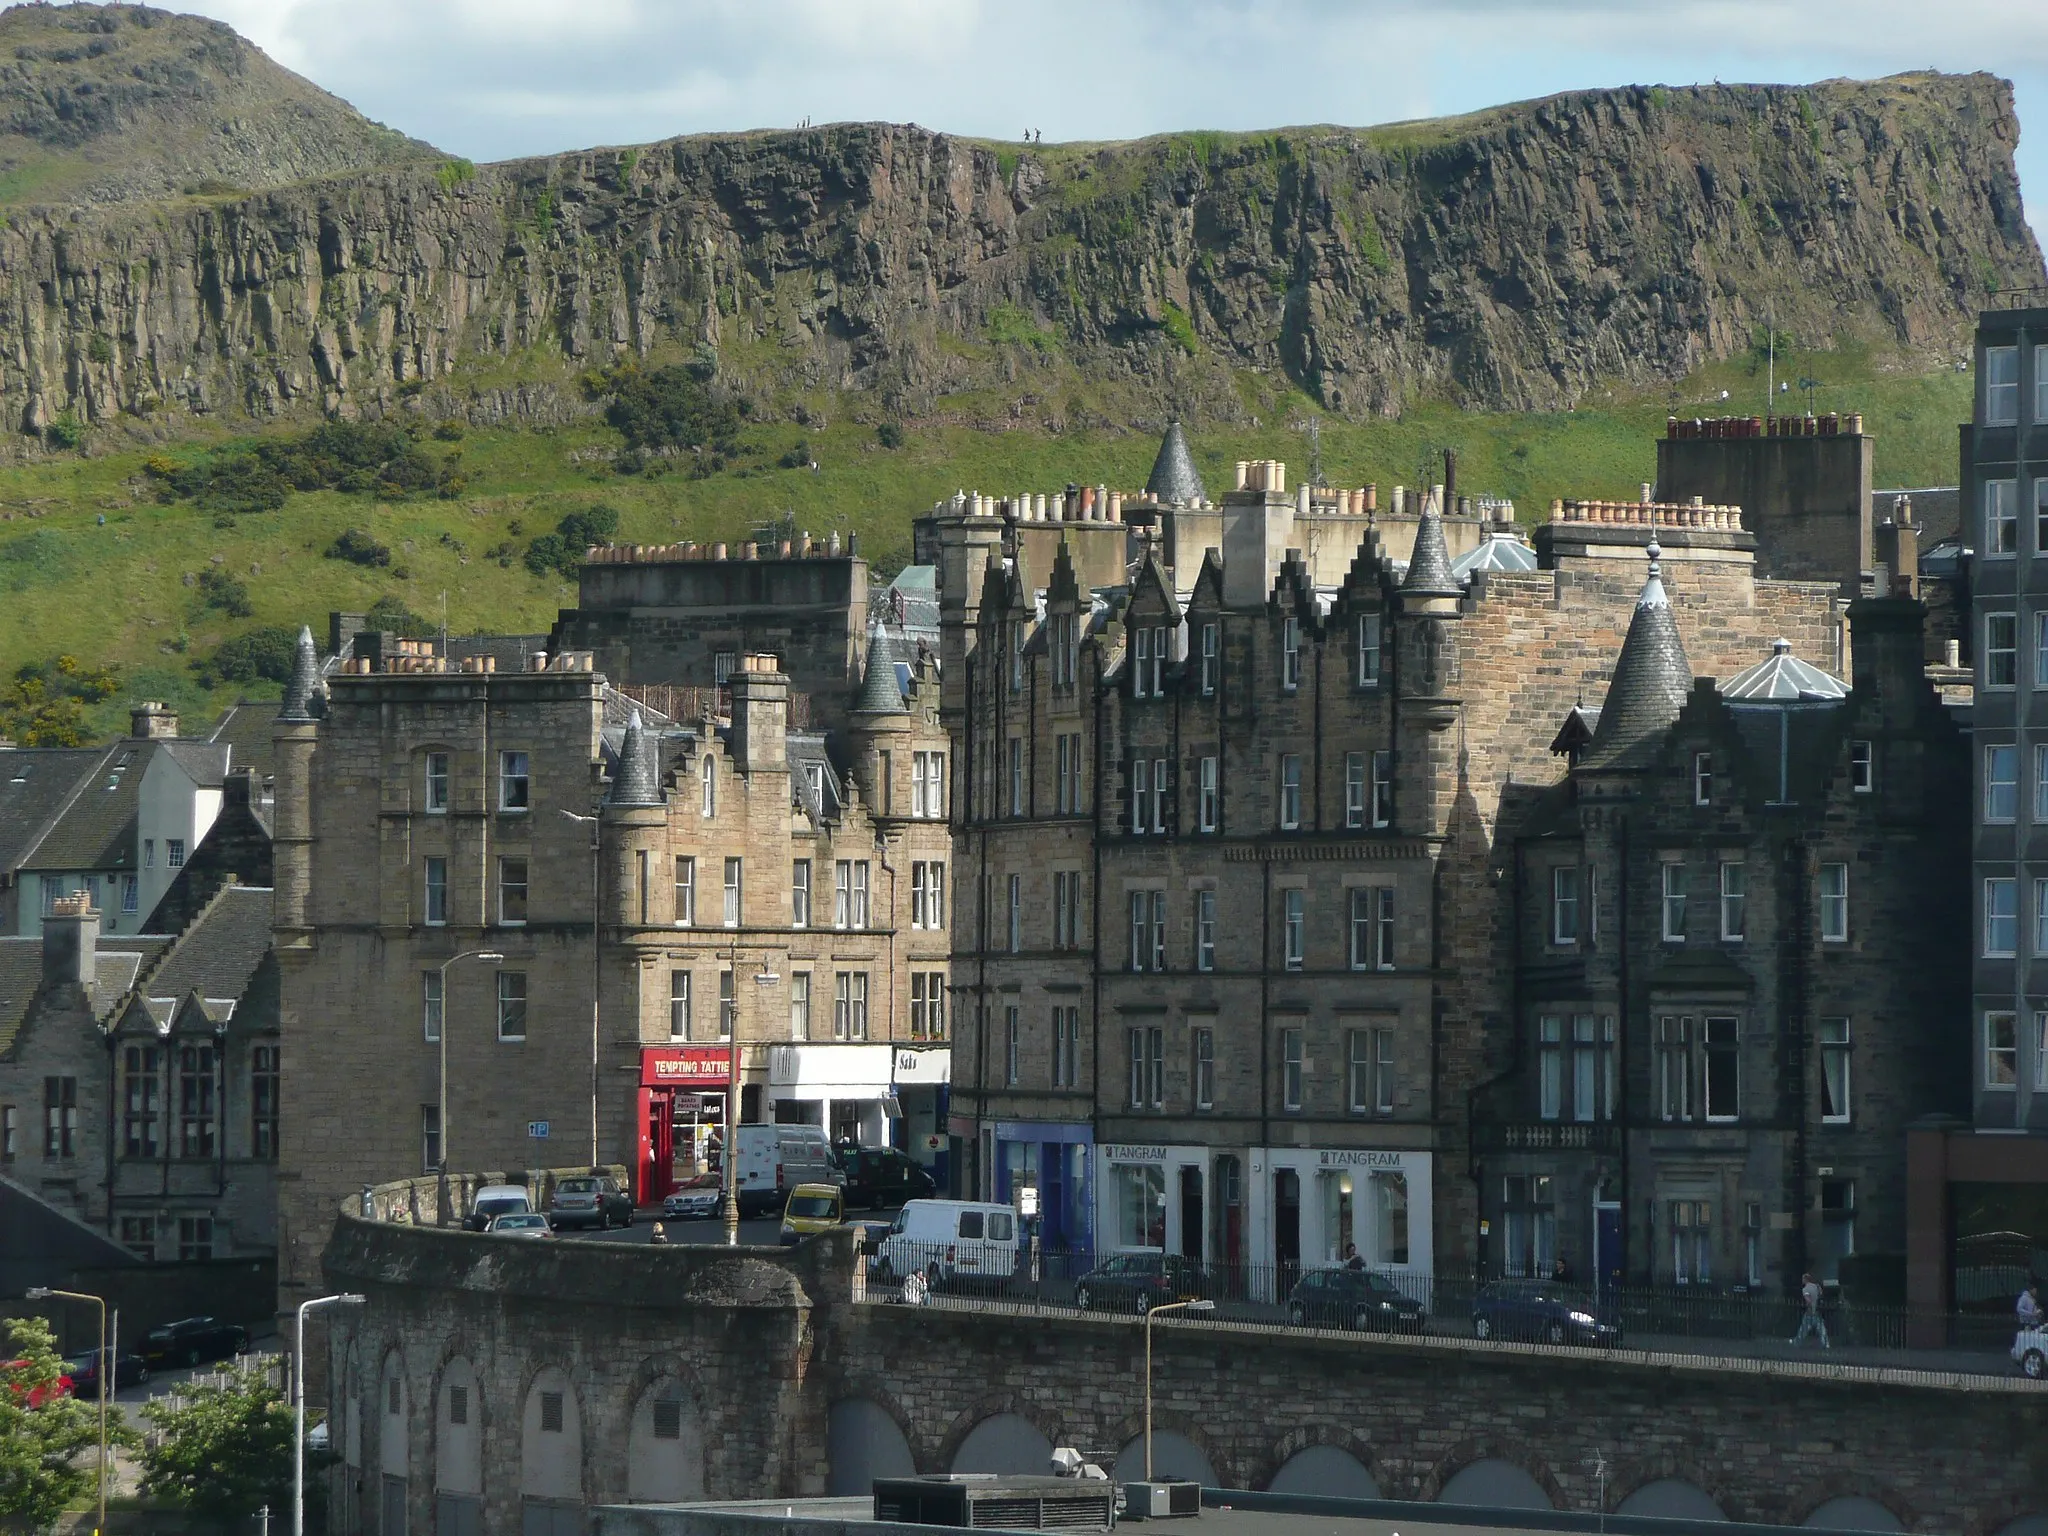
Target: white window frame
point(686, 890)
point(1370, 654)
point(2001, 381)
point(1016, 745)
point(1205, 930)
point(1564, 906)
point(1290, 791)
point(1834, 905)
point(1294, 927)
point(434, 892)
point(1293, 1069)
point(1202, 1066)
point(2001, 912)
point(1212, 658)
point(2001, 782)
point(515, 782)
point(433, 1005)
point(1383, 788)
point(1356, 788)
point(800, 894)
point(734, 892)
point(1862, 767)
point(678, 1004)
point(2001, 519)
point(1837, 1072)
point(2001, 1058)
point(708, 772)
point(1671, 902)
point(1734, 901)
point(1209, 797)
point(436, 794)
point(510, 982)
point(1290, 654)
point(1016, 914)
point(1703, 778)
point(2040, 916)
point(1141, 785)
point(2001, 650)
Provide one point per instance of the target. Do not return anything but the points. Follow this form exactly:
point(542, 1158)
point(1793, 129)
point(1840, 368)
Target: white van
point(774, 1159)
point(950, 1240)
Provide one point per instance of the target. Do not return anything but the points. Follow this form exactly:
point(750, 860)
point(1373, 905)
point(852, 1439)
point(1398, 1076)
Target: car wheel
point(1365, 1322)
point(1083, 1297)
point(1297, 1315)
point(628, 1221)
point(142, 1377)
point(1482, 1327)
point(191, 1358)
point(1554, 1334)
point(2034, 1365)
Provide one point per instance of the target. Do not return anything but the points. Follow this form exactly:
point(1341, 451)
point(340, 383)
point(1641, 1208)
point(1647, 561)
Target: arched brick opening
point(665, 1445)
point(864, 1440)
point(1003, 1442)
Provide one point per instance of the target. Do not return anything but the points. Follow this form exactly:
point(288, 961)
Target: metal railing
point(1700, 1322)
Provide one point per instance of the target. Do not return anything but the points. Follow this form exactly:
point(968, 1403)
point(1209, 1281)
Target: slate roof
point(806, 753)
point(35, 784)
point(300, 693)
point(220, 951)
point(119, 960)
point(637, 780)
point(1174, 479)
point(1651, 681)
point(881, 693)
point(245, 729)
point(1781, 676)
point(1429, 567)
point(97, 829)
point(205, 763)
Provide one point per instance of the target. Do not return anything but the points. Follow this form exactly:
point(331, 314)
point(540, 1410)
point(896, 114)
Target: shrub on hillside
point(228, 594)
point(671, 408)
point(359, 458)
point(44, 704)
point(358, 547)
point(561, 552)
point(255, 656)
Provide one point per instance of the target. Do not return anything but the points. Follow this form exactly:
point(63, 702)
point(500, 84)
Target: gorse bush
point(262, 655)
point(358, 547)
point(228, 594)
point(44, 706)
point(671, 408)
point(360, 458)
point(561, 552)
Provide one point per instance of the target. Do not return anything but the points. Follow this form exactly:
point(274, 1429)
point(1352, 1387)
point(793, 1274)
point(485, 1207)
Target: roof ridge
point(56, 817)
point(148, 973)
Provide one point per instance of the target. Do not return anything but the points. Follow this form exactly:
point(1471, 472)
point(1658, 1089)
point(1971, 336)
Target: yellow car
point(812, 1208)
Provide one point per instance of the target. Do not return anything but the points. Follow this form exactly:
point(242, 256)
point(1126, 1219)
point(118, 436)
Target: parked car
point(34, 1397)
point(2030, 1350)
point(699, 1196)
point(811, 1208)
point(1138, 1282)
point(872, 1235)
point(193, 1339)
point(879, 1176)
point(950, 1240)
point(594, 1200)
point(495, 1200)
point(130, 1370)
point(520, 1224)
point(1540, 1309)
point(1362, 1299)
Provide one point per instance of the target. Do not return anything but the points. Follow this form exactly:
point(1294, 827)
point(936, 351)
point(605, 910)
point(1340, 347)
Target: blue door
point(1607, 1247)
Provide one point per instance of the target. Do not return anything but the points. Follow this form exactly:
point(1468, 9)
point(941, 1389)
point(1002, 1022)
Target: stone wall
point(764, 1349)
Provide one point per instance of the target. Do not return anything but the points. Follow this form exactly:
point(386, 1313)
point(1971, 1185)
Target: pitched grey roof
point(304, 684)
point(245, 729)
point(1429, 567)
point(97, 829)
point(880, 692)
point(21, 975)
point(1173, 478)
point(1781, 676)
point(1651, 681)
point(205, 764)
point(220, 951)
point(814, 782)
point(35, 784)
point(638, 778)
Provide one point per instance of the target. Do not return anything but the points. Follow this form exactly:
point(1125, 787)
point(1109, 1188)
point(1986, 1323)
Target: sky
point(495, 79)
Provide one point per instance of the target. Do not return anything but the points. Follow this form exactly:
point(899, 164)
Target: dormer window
point(1290, 654)
point(1141, 663)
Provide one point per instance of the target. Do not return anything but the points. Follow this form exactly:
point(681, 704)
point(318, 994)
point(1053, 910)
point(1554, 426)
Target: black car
point(1138, 1282)
point(1354, 1298)
point(130, 1370)
point(1542, 1310)
point(879, 1176)
point(192, 1340)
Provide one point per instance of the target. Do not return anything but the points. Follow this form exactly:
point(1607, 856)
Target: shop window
point(1140, 1202)
point(1335, 1188)
point(1390, 1218)
point(1528, 1225)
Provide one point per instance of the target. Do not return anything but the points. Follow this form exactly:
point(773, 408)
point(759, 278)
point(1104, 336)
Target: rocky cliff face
point(1515, 258)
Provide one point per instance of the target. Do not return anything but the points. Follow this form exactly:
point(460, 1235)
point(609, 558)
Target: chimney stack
point(71, 941)
point(150, 721)
point(1258, 524)
point(760, 716)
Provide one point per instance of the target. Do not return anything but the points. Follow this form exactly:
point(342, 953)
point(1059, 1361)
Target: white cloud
point(493, 79)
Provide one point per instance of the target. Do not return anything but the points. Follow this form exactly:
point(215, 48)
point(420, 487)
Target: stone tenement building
point(1718, 1049)
point(1241, 845)
point(139, 1081)
point(784, 888)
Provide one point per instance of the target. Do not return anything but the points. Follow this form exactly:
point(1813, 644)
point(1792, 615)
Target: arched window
point(665, 1448)
point(458, 1452)
point(393, 1449)
point(551, 1458)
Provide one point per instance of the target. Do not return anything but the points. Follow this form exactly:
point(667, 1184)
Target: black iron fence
point(1688, 1319)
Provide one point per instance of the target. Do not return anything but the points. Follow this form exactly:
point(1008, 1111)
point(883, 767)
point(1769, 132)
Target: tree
point(262, 655)
point(44, 1430)
point(221, 1451)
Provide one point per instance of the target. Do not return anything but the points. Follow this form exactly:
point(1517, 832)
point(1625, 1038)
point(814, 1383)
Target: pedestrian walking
point(1351, 1257)
point(1810, 1321)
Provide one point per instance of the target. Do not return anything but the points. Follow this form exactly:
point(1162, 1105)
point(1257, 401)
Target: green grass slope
point(93, 566)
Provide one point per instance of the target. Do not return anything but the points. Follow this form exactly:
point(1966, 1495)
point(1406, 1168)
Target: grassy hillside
point(94, 566)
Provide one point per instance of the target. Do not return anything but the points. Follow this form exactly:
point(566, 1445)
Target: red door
point(654, 1176)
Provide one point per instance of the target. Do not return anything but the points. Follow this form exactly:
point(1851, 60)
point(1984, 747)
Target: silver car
point(520, 1224)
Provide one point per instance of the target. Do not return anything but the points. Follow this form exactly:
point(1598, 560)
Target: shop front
point(1042, 1168)
point(922, 1078)
point(1153, 1198)
point(681, 1098)
point(846, 1090)
point(1311, 1205)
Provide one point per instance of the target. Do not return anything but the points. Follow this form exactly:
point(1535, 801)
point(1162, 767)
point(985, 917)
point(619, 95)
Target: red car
point(37, 1396)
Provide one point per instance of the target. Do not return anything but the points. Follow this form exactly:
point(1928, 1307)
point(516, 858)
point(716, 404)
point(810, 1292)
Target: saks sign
point(685, 1066)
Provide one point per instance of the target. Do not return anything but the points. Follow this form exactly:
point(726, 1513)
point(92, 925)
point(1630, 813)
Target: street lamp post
point(489, 957)
point(45, 1293)
point(346, 1298)
point(1150, 1313)
point(728, 1155)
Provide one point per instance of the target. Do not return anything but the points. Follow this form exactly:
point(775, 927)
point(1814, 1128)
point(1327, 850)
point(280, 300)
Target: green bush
point(889, 434)
point(390, 614)
point(358, 547)
point(561, 552)
point(222, 1451)
point(453, 173)
point(255, 656)
point(44, 706)
point(653, 408)
point(66, 432)
point(363, 458)
point(228, 594)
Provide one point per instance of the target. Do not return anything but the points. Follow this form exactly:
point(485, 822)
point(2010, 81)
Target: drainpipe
point(1793, 1006)
point(1622, 1031)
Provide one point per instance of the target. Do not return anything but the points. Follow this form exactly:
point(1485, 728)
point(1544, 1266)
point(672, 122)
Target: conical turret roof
point(305, 682)
point(638, 780)
point(1429, 567)
point(879, 693)
point(1173, 479)
point(1651, 681)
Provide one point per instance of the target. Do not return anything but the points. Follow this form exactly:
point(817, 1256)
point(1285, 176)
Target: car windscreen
point(577, 1187)
point(501, 1205)
point(813, 1205)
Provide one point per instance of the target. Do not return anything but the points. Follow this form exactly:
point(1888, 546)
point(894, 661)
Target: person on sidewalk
point(1810, 1321)
point(2028, 1309)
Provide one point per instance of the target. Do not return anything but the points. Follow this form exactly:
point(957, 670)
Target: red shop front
point(671, 1076)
